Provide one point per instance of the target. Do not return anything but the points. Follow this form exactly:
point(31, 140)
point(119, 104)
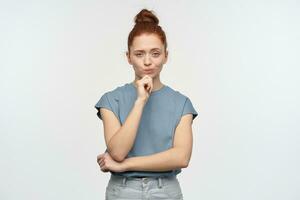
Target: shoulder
point(177, 95)
point(111, 97)
point(183, 105)
point(116, 92)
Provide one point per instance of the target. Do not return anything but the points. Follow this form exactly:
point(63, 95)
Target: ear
point(166, 57)
point(128, 57)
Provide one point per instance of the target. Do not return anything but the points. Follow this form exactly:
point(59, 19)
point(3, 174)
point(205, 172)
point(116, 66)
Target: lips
point(148, 70)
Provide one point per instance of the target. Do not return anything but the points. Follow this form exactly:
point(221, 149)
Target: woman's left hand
point(107, 163)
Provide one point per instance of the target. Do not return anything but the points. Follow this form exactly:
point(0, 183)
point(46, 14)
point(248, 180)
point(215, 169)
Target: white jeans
point(150, 188)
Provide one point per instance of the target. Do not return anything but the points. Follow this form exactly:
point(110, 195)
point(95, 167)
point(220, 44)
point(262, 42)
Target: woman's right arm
point(120, 138)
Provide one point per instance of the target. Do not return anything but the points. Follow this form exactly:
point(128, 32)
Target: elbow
point(183, 158)
point(117, 156)
point(184, 163)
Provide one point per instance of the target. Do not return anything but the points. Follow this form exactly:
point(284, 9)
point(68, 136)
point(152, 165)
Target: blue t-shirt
point(160, 117)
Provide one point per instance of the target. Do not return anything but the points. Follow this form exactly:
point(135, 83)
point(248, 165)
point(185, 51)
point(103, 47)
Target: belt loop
point(124, 181)
point(159, 182)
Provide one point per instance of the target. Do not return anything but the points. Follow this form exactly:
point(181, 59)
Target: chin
point(152, 75)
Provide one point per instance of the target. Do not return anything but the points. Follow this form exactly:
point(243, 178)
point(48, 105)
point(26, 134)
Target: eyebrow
point(138, 50)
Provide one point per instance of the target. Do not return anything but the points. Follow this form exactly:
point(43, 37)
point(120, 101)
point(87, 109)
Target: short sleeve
point(109, 102)
point(188, 108)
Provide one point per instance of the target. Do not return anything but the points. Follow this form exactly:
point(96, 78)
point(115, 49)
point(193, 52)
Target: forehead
point(146, 42)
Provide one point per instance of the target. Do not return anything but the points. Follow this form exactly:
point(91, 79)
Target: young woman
point(147, 124)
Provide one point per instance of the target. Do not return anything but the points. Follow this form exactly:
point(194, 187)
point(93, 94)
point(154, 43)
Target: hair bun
point(146, 16)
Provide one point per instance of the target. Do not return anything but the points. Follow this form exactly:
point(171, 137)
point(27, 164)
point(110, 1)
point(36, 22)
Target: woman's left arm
point(176, 157)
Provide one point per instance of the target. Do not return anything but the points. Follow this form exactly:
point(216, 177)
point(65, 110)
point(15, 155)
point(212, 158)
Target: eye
point(156, 54)
point(138, 54)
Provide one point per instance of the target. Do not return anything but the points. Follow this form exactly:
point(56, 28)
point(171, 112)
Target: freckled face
point(147, 55)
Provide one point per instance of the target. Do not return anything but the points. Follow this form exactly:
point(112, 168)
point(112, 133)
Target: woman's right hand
point(144, 87)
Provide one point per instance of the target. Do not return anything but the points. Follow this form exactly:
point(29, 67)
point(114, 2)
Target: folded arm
point(176, 157)
point(120, 139)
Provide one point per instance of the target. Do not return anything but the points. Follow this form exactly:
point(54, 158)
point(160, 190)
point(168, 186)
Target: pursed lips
point(148, 70)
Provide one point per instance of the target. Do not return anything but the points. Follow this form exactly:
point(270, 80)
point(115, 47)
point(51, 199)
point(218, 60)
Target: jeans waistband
point(138, 182)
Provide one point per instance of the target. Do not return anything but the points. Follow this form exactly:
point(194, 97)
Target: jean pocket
point(169, 191)
point(163, 193)
point(114, 192)
point(174, 193)
point(111, 192)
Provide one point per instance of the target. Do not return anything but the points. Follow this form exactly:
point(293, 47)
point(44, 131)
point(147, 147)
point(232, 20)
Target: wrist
point(140, 101)
point(126, 165)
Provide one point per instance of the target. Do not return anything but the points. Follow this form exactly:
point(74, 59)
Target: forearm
point(123, 140)
point(163, 161)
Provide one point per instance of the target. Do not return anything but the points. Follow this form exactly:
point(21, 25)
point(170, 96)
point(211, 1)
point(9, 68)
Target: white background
point(238, 61)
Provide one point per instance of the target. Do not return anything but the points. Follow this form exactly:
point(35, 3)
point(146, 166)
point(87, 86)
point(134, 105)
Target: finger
point(146, 79)
point(104, 168)
point(99, 159)
point(151, 87)
point(102, 163)
point(99, 156)
point(148, 87)
point(149, 83)
point(143, 81)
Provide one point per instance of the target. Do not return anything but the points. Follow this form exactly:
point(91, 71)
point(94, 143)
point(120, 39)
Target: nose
point(147, 60)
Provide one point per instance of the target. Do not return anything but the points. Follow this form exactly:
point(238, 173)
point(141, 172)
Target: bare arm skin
point(176, 157)
point(119, 138)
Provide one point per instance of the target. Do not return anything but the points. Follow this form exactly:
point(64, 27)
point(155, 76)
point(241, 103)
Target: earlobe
point(166, 57)
point(128, 58)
